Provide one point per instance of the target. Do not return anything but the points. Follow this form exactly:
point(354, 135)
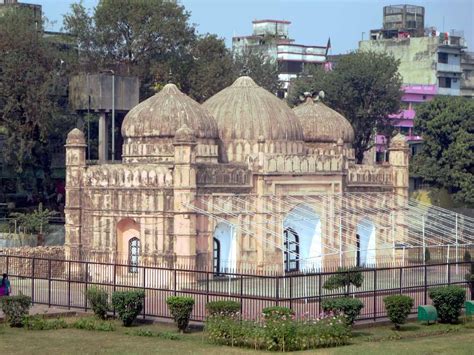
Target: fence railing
point(63, 283)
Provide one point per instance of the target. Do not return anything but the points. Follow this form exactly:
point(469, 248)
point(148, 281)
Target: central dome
point(164, 113)
point(246, 111)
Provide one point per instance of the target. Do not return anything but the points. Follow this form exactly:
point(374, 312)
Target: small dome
point(246, 111)
point(398, 140)
point(75, 136)
point(185, 134)
point(164, 113)
point(322, 124)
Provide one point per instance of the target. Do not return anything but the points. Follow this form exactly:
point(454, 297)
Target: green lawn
point(414, 339)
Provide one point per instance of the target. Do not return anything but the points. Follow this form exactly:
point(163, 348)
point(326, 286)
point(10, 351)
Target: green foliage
point(277, 313)
point(149, 333)
point(128, 305)
point(34, 222)
point(15, 308)
point(344, 278)
point(283, 335)
point(180, 308)
point(398, 308)
point(41, 323)
point(227, 308)
point(99, 301)
point(448, 301)
point(350, 307)
point(446, 160)
point(364, 87)
point(93, 323)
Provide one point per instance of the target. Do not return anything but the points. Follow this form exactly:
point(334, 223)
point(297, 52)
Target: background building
point(271, 38)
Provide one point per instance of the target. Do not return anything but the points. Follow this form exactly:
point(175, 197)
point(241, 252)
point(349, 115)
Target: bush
point(180, 308)
point(128, 305)
point(149, 333)
point(448, 301)
point(287, 335)
point(99, 301)
point(92, 323)
point(15, 308)
point(225, 308)
point(277, 313)
point(344, 278)
point(40, 323)
point(350, 307)
point(467, 256)
point(398, 308)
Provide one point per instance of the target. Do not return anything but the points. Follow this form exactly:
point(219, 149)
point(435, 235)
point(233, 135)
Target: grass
point(164, 339)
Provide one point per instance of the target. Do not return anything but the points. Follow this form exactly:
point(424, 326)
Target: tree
point(32, 91)
point(447, 158)
point(36, 222)
point(261, 69)
point(364, 87)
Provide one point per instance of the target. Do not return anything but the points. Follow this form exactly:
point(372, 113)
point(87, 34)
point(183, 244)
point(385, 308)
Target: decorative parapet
point(296, 164)
point(223, 174)
point(128, 176)
point(369, 175)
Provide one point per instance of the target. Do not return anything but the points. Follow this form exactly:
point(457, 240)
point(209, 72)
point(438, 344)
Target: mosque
point(240, 182)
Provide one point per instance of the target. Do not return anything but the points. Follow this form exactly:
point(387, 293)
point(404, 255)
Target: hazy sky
point(313, 21)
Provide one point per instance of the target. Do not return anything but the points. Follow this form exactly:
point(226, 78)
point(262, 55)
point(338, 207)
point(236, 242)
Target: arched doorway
point(224, 249)
point(302, 230)
point(366, 234)
point(128, 244)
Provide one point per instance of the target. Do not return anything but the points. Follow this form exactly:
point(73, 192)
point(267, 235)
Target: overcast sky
point(313, 21)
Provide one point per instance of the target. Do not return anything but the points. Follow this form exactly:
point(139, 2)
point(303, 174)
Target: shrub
point(226, 308)
point(344, 278)
point(40, 323)
point(288, 335)
point(99, 301)
point(180, 308)
point(128, 305)
point(15, 308)
point(398, 308)
point(92, 323)
point(467, 256)
point(149, 333)
point(448, 301)
point(348, 306)
point(277, 313)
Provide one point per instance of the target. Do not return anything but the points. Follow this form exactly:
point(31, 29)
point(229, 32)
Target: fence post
point(174, 281)
point(49, 282)
point(69, 284)
point(320, 290)
point(8, 265)
point(401, 279)
point(375, 295)
point(114, 287)
point(277, 290)
point(144, 291)
point(33, 280)
point(291, 292)
point(85, 285)
point(241, 293)
point(426, 283)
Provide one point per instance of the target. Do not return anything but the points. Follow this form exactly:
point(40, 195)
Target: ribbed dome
point(322, 124)
point(246, 111)
point(164, 113)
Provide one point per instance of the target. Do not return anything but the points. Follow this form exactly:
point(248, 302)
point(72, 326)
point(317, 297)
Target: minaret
point(398, 158)
point(184, 178)
point(75, 166)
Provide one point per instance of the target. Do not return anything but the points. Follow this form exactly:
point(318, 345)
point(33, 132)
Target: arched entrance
point(366, 241)
point(224, 249)
point(302, 232)
point(128, 243)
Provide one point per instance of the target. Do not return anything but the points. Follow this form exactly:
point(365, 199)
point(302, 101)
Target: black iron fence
point(63, 283)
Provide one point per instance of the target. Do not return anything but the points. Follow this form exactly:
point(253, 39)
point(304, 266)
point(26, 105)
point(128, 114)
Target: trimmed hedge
point(128, 305)
point(344, 278)
point(350, 307)
point(277, 313)
point(180, 308)
point(398, 308)
point(226, 308)
point(15, 309)
point(448, 301)
point(99, 301)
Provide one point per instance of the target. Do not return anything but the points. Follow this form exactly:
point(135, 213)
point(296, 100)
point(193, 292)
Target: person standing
point(5, 287)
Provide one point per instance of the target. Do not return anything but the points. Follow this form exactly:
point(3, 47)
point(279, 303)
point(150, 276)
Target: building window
point(133, 253)
point(216, 257)
point(292, 250)
point(444, 82)
point(443, 58)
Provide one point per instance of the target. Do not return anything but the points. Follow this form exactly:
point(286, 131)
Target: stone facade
point(159, 204)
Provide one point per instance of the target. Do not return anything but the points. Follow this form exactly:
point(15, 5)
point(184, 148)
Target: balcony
point(449, 68)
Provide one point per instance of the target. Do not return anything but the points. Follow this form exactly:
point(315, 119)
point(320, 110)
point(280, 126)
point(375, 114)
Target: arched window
point(133, 253)
point(216, 256)
point(292, 250)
